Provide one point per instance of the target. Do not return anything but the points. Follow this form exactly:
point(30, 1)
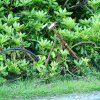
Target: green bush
point(21, 22)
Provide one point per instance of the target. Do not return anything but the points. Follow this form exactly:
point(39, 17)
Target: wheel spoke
point(17, 62)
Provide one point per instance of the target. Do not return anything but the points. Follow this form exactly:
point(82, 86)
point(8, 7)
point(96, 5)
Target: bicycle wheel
point(86, 51)
point(16, 62)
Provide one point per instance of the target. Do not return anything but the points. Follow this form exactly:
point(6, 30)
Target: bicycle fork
point(51, 51)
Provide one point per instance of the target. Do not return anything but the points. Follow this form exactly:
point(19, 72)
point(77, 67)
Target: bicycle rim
point(82, 67)
point(16, 62)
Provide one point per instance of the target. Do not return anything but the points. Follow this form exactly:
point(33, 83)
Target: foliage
point(21, 22)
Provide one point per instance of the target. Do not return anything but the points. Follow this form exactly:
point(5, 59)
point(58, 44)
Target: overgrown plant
point(21, 22)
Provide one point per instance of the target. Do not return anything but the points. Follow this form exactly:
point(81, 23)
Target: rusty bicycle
point(16, 59)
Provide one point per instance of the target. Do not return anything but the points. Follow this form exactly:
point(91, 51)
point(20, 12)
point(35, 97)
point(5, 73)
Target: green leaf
point(40, 15)
point(2, 25)
point(11, 19)
point(43, 43)
point(17, 26)
point(69, 22)
point(7, 2)
point(62, 12)
point(2, 68)
point(3, 38)
point(76, 62)
point(86, 60)
point(93, 2)
point(25, 2)
point(1, 9)
point(9, 30)
point(54, 64)
point(64, 52)
point(53, 55)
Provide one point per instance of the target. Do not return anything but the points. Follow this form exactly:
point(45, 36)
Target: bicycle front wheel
point(85, 50)
point(16, 62)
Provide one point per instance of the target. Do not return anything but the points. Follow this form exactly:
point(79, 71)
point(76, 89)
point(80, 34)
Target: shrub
point(21, 22)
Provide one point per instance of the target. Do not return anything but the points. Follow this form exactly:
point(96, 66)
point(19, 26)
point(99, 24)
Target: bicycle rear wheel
point(16, 63)
point(86, 51)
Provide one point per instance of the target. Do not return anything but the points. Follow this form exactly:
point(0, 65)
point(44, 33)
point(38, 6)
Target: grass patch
point(33, 88)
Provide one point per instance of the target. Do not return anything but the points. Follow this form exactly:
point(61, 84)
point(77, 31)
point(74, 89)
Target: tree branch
point(65, 3)
point(88, 8)
point(78, 4)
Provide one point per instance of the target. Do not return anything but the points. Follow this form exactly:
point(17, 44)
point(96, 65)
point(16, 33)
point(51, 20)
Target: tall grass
point(35, 88)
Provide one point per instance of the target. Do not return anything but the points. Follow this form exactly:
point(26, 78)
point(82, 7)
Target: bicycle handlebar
point(51, 26)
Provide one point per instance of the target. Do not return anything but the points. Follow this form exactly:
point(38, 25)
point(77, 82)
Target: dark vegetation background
point(21, 22)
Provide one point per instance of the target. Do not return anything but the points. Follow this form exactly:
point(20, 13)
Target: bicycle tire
point(86, 68)
point(22, 62)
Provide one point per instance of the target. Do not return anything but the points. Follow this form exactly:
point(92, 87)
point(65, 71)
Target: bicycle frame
point(62, 44)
